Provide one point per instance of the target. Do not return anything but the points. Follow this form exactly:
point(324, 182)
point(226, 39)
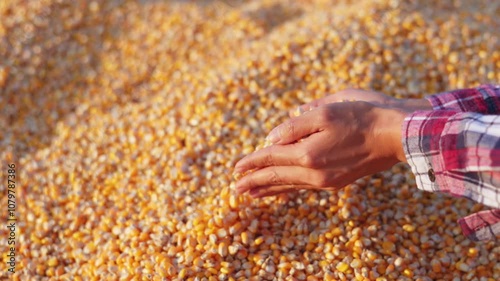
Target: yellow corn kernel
point(244, 237)
point(342, 267)
point(259, 240)
point(409, 228)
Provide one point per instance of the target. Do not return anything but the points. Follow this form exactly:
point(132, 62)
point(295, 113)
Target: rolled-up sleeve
point(457, 151)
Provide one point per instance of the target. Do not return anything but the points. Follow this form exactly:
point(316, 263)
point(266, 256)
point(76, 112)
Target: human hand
point(341, 142)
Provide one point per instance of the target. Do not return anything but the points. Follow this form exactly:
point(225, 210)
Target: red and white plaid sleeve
point(484, 99)
point(455, 148)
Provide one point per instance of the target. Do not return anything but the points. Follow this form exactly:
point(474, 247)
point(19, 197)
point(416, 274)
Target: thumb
point(294, 129)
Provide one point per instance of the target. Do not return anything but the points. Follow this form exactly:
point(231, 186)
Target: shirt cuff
point(422, 131)
point(421, 139)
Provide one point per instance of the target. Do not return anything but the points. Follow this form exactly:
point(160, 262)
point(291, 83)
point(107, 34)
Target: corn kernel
point(342, 267)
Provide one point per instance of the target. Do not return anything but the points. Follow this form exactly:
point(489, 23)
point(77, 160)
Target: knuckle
point(251, 181)
point(252, 163)
point(274, 178)
point(269, 158)
point(324, 115)
point(307, 160)
point(289, 128)
point(321, 179)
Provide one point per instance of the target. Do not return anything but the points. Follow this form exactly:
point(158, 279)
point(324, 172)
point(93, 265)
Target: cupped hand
point(340, 142)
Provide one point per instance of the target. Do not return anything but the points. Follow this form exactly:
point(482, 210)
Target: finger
point(276, 175)
point(296, 128)
point(296, 112)
point(299, 110)
point(275, 155)
point(337, 97)
point(275, 190)
point(342, 96)
point(318, 102)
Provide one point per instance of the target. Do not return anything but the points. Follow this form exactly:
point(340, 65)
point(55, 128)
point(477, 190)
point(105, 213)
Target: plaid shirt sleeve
point(455, 148)
point(483, 99)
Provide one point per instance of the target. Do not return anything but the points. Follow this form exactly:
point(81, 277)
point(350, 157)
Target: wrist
point(388, 130)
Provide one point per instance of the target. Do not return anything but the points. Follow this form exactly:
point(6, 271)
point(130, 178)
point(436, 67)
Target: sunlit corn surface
point(125, 118)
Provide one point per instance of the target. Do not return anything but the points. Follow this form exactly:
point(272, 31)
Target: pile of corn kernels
point(125, 118)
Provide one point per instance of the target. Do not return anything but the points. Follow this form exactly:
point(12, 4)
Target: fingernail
point(273, 136)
